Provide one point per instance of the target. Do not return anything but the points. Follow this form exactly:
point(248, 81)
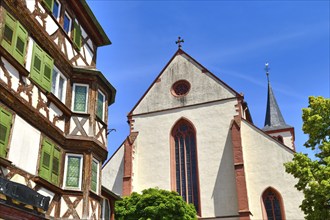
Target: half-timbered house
point(53, 111)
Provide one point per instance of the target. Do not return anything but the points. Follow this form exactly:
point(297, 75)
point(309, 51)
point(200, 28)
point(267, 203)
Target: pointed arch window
point(273, 205)
point(184, 163)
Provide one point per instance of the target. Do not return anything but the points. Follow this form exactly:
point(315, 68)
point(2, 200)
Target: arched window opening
point(273, 205)
point(185, 170)
point(280, 139)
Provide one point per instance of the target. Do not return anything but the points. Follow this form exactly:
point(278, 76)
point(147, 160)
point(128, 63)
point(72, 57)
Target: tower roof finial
point(267, 70)
point(179, 41)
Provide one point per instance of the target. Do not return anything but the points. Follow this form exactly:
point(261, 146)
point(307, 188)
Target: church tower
point(275, 124)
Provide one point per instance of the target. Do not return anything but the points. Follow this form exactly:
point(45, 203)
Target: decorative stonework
point(180, 88)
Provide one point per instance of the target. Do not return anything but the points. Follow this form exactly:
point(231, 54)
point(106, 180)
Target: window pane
point(60, 89)
point(67, 23)
point(56, 9)
point(94, 175)
point(100, 101)
point(54, 79)
point(80, 98)
point(73, 171)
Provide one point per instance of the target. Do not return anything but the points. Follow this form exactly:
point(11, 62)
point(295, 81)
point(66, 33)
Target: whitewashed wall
point(263, 162)
point(113, 172)
point(215, 159)
point(24, 145)
point(160, 97)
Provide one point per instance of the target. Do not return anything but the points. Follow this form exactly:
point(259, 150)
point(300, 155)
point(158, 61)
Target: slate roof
point(274, 119)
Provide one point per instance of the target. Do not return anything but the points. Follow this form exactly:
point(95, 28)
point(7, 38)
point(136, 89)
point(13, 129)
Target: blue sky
point(232, 39)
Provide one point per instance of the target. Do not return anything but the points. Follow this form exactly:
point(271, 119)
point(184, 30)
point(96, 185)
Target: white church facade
point(192, 133)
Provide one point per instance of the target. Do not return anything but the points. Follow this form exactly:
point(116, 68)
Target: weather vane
point(267, 70)
point(179, 41)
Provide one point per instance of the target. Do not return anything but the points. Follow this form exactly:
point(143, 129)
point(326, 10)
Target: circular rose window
point(180, 88)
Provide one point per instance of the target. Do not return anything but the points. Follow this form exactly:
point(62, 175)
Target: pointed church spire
point(274, 119)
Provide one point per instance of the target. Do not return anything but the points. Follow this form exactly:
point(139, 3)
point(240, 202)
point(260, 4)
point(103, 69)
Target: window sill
point(94, 195)
point(47, 184)
point(80, 114)
point(101, 121)
point(4, 162)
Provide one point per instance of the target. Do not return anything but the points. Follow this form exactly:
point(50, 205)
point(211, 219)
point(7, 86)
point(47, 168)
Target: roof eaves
point(99, 74)
point(105, 38)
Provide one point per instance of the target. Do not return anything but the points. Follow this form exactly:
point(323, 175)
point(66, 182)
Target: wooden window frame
point(173, 162)
point(103, 105)
point(70, 23)
point(66, 170)
point(74, 96)
point(57, 17)
point(57, 83)
point(280, 199)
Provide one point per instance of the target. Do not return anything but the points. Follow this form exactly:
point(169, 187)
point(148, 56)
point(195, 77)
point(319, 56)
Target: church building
point(192, 133)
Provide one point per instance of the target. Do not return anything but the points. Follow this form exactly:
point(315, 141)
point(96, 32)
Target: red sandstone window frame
point(173, 162)
point(280, 199)
point(178, 83)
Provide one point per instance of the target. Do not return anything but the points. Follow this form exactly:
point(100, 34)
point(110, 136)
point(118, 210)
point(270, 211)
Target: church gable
point(183, 82)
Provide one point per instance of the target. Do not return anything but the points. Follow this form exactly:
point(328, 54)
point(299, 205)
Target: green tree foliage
point(314, 174)
point(154, 204)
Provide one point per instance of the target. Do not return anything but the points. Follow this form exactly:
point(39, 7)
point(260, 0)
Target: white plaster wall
point(263, 162)
point(24, 145)
point(160, 97)
point(53, 112)
point(215, 159)
point(12, 72)
point(89, 55)
point(287, 138)
point(30, 4)
point(29, 54)
point(113, 172)
point(51, 26)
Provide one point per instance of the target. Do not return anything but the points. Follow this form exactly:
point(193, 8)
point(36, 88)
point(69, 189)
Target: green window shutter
point(100, 101)
point(73, 172)
point(37, 62)
point(46, 81)
point(9, 33)
point(20, 43)
point(94, 175)
point(46, 160)
point(5, 124)
point(77, 35)
point(49, 4)
point(80, 98)
point(56, 166)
